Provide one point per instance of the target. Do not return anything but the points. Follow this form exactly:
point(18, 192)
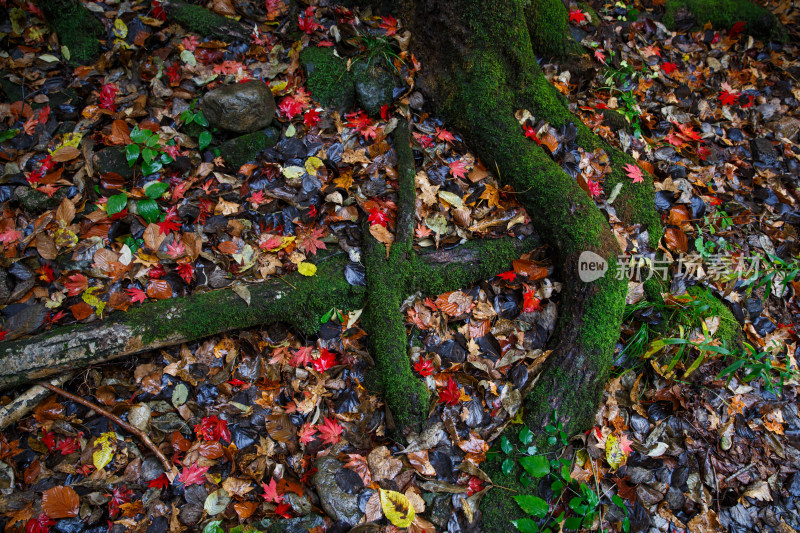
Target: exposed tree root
point(723, 14)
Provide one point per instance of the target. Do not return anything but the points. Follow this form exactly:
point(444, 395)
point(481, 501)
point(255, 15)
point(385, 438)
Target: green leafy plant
point(8, 134)
point(146, 207)
point(190, 116)
point(581, 503)
point(376, 48)
point(146, 145)
point(758, 364)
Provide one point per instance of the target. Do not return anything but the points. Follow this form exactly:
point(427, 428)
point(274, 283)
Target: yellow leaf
point(120, 29)
point(397, 508)
point(89, 297)
point(105, 454)
point(614, 453)
point(68, 139)
point(307, 269)
point(313, 164)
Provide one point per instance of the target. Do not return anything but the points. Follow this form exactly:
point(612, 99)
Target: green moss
point(76, 27)
point(301, 305)
point(729, 331)
point(202, 21)
point(406, 192)
point(549, 29)
point(723, 14)
point(328, 78)
point(245, 148)
point(406, 396)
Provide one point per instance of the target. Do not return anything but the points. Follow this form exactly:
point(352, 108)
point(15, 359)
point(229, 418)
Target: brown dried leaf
point(60, 502)
point(120, 133)
point(65, 153)
point(530, 269)
point(65, 212)
point(676, 240)
point(382, 464)
point(159, 289)
point(153, 237)
point(678, 214)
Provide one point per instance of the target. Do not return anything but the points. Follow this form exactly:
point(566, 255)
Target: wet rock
point(37, 202)
point(639, 424)
point(763, 151)
point(112, 159)
point(373, 87)
point(190, 514)
point(245, 148)
point(754, 307)
point(675, 498)
point(302, 524)
point(764, 326)
point(438, 510)
point(300, 504)
point(69, 525)
point(328, 78)
point(641, 475)
point(151, 468)
point(787, 127)
point(240, 107)
point(334, 501)
point(649, 495)
point(5, 286)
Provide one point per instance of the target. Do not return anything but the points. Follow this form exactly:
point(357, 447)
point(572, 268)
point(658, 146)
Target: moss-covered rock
point(729, 331)
point(245, 148)
point(113, 159)
point(373, 85)
point(723, 14)
point(76, 27)
point(205, 22)
point(36, 202)
point(328, 78)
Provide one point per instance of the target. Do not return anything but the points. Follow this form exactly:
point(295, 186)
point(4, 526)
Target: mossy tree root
point(77, 29)
point(723, 14)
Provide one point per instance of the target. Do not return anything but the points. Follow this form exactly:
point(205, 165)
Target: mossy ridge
point(723, 14)
point(549, 29)
point(76, 27)
point(240, 150)
point(305, 301)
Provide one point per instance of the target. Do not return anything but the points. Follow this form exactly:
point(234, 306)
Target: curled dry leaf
point(676, 240)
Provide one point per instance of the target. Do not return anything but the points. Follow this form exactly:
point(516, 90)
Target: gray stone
point(37, 202)
point(373, 87)
point(438, 511)
point(338, 504)
point(675, 498)
point(190, 514)
point(787, 127)
point(641, 475)
point(112, 159)
point(300, 504)
point(301, 524)
point(763, 151)
point(240, 107)
point(5, 286)
point(793, 485)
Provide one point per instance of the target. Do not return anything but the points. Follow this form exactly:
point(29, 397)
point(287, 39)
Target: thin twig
point(170, 470)
point(286, 282)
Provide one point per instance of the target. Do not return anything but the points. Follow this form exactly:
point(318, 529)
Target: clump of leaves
point(146, 207)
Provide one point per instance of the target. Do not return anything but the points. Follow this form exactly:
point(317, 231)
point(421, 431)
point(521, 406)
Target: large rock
point(113, 159)
point(328, 78)
point(338, 504)
point(763, 151)
point(240, 107)
point(374, 87)
point(245, 148)
point(787, 127)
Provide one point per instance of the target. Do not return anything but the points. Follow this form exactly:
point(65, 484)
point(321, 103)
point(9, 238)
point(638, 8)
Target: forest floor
point(272, 430)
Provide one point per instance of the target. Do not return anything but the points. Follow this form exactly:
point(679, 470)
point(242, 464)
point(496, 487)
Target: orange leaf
point(245, 509)
point(60, 502)
point(530, 269)
point(159, 289)
point(120, 134)
point(676, 240)
point(678, 214)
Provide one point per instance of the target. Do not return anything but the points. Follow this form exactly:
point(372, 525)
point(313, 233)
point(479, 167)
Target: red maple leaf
point(311, 243)
point(325, 360)
point(444, 135)
point(600, 55)
point(305, 21)
point(3, 333)
point(136, 294)
point(40, 524)
point(688, 131)
point(458, 168)
point(330, 430)
point(737, 28)
point(212, 428)
point(668, 67)
point(508, 276)
point(530, 302)
point(530, 133)
point(68, 446)
point(378, 216)
point(577, 16)
point(171, 221)
point(625, 444)
point(311, 118)
point(271, 491)
point(424, 367)
point(46, 273)
point(307, 432)
point(161, 482)
point(186, 271)
point(389, 24)
point(634, 173)
point(107, 94)
point(594, 188)
point(675, 140)
point(283, 510)
point(193, 475)
point(49, 440)
point(727, 98)
point(118, 496)
point(451, 394)
point(290, 107)
point(357, 120)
